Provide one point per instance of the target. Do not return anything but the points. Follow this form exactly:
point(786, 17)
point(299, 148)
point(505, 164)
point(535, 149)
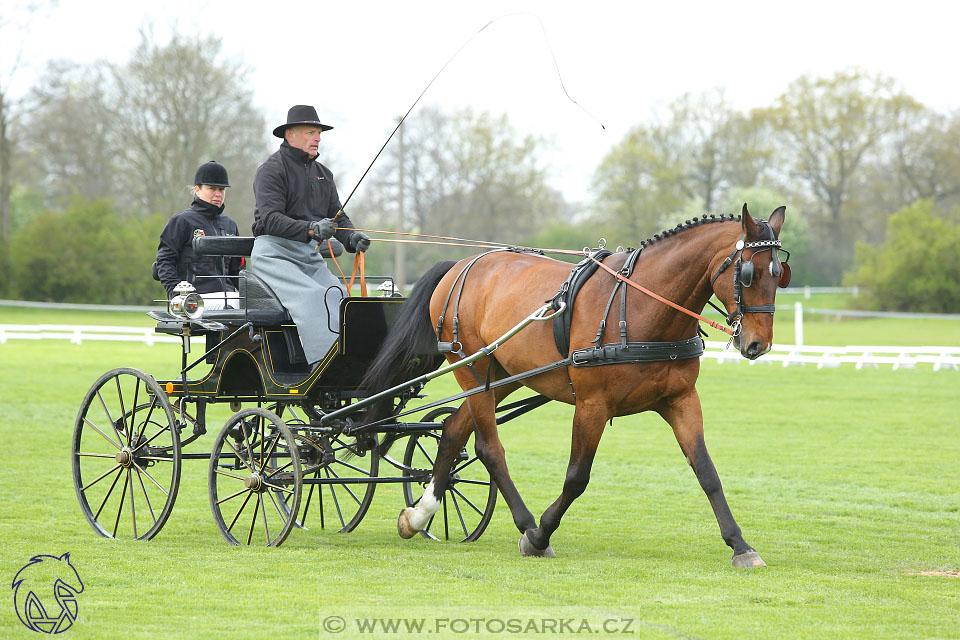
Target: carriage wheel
point(470, 497)
point(126, 455)
point(340, 502)
point(254, 479)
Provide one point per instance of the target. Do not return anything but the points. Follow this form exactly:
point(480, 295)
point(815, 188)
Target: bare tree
point(175, 106)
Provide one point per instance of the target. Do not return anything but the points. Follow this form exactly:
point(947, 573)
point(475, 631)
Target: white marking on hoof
point(748, 560)
point(403, 524)
point(527, 550)
point(414, 519)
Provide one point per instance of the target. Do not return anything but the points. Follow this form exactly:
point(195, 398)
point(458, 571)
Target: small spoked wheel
point(470, 497)
point(254, 479)
point(126, 455)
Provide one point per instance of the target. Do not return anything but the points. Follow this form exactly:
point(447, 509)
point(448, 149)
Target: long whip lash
point(445, 65)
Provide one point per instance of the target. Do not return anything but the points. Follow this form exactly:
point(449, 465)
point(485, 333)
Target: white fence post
point(798, 323)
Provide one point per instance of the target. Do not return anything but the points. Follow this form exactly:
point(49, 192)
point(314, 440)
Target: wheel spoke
point(245, 501)
point(453, 489)
point(144, 471)
point(345, 487)
point(485, 483)
point(109, 491)
point(145, 496)
point(277, 507)
point(273, 446)
point(146, 421)
point(278, 487)
point(336, 502)
point(101, 477)
point(112, 456)
point(465, 465)
point(232, 496)
point(253, 521)
point(123, 494)
point(152, 438)
point(238, 456)
point(263, 512)
point(425, 454)
point(229, 475)
point(133, 510)
point(109, 417)
point(354, 467)
point(105, 436)
point(456, 505)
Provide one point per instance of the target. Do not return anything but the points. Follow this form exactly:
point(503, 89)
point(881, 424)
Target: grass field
point(845, 481)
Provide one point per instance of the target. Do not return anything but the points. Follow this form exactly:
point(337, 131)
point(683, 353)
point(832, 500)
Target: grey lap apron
point(297, 273)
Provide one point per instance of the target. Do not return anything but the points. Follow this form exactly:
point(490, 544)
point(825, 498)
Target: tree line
point(95, 157)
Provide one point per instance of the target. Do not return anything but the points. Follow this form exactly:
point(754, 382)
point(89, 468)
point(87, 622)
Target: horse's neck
point(684, 264)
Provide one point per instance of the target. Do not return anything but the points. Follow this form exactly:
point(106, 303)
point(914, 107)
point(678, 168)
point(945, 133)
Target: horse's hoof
point(404, 528)
point(748, 560)
point(527, 549)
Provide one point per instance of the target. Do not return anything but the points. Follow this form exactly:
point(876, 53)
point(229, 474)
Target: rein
point(655, 296)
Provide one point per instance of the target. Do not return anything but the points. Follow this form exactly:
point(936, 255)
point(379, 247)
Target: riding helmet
point(212, 173)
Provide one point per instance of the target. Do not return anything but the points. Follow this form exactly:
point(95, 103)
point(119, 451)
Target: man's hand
point(322, 229)
point(360, 241)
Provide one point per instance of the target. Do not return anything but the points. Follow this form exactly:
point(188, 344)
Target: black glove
point(360, 241)
point(322, 229)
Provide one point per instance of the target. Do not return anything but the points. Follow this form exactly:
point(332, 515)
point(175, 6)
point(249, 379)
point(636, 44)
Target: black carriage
point(276, 464)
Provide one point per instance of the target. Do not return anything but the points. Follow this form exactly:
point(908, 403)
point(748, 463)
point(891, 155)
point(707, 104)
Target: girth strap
point(635, 352)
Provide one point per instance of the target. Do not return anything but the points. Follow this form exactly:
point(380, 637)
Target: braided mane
point(689, 224)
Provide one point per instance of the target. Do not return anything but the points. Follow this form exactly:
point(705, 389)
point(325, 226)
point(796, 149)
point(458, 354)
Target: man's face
point(209, 193)
point(304, 137)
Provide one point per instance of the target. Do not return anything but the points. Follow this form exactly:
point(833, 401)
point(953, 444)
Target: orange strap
point(334, 258)
point(358, 264)
point(662, 299)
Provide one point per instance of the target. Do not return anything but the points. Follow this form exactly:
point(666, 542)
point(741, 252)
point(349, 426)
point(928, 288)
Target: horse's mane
point(689, 224)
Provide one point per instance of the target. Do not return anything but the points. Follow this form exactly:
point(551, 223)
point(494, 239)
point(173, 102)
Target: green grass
point(845, 481)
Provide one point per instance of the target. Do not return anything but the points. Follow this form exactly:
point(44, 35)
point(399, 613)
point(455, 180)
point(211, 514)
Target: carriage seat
point(260, 304)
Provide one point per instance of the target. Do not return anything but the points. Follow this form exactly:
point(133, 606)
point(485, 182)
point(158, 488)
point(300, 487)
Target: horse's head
point(747, 279)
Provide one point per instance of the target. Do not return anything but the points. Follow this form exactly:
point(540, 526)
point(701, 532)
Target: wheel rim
point(255, 460)
point(331, 466)
point(470, 497)
point(126, 455)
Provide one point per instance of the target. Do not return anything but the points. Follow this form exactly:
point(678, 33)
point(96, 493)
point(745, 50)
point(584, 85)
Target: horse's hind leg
point(686, 418)
point(588, 422)
point(456, 431)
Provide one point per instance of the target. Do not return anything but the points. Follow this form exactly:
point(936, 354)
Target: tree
point(465, 175)
point(828, 126)
point(917, 268)
point(176, 106)
point(105, 257)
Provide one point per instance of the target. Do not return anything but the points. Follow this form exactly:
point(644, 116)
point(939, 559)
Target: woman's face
point(209, 193)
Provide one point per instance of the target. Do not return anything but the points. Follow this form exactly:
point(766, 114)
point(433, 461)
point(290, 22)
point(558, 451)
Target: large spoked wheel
point(126, 455)
point(470, 497)
point(336, 467)
point(255, 481)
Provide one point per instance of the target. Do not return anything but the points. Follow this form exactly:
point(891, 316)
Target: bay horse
point(686, 265)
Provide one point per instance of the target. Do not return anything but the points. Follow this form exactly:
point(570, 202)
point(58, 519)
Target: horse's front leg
point(588, 422)
point(685, 416)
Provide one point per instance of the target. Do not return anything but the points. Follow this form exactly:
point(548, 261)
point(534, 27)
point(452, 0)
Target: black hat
point(301, 114)
point(212, 173)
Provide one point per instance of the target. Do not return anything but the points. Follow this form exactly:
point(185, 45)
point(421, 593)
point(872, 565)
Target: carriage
point(328, 430)
point(276, 464)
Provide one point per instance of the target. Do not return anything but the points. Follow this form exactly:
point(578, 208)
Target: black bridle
point(743, 275)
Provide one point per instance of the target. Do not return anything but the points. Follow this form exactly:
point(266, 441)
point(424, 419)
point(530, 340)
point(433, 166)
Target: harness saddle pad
point(568, 293)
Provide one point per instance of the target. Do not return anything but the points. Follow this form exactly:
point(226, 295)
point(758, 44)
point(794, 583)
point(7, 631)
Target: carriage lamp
point(186, 302)
point(387, 289)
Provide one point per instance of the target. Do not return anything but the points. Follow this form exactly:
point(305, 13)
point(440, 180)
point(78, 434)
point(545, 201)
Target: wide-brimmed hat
point(301, 114)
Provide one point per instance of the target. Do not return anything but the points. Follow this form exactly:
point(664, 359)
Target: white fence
point(786, 354)
point(77, 334)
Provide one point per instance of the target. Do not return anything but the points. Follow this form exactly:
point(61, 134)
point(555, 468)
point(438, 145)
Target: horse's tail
point(409, 350)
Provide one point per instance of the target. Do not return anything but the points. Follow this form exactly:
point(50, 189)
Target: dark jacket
point(176, 259)
point(292, 189)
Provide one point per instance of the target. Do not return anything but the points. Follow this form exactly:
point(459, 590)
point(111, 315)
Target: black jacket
point(292, 189)
point(176, 259)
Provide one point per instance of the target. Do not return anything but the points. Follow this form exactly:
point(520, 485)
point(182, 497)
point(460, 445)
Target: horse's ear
point(746, 220)
point(776, 219)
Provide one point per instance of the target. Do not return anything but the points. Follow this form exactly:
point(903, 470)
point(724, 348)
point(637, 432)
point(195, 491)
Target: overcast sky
point(363, 63)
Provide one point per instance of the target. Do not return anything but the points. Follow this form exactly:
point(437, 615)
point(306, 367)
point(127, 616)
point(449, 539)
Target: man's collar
point(299, 155)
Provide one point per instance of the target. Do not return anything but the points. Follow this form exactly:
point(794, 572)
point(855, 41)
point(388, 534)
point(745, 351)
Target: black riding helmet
point(212, 173)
